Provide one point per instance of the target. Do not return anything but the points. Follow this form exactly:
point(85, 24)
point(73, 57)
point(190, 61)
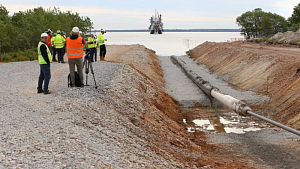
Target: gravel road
point(71, 127)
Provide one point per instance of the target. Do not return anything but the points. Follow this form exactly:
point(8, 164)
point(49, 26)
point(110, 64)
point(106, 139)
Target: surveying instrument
point(87, 65)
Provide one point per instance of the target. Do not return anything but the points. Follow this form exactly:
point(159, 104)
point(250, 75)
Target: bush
point(27, 55)
point(5, 57)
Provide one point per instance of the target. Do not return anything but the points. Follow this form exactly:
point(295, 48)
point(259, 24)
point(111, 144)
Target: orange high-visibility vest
point(74, 48)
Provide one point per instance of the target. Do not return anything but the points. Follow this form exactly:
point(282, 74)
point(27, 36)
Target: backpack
point(77, 80)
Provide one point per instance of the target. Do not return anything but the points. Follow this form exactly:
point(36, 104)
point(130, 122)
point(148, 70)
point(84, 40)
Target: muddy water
point(219, 121)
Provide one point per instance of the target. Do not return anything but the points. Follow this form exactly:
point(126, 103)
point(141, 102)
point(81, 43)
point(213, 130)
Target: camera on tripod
point(88, 66)
point(87, 53)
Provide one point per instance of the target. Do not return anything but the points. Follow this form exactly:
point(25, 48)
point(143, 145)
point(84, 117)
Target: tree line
point(257, 23)
point(22, 30)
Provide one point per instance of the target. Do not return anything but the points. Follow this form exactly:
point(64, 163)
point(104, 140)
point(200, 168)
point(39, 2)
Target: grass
point(27, 55)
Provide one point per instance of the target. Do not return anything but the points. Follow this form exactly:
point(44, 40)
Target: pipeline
point(213, 93)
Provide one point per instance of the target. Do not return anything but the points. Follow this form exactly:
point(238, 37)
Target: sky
point(176, 14)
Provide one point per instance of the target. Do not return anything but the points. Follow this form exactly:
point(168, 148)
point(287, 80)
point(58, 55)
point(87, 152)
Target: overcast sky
point(176, 14)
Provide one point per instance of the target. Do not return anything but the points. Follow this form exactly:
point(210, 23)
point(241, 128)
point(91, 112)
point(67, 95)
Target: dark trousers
point(93, 54)
point(54, 53)
point(64, 50)
point(60, 54)
point(50, 48)
point(79, 64)
point(96, 54)
point(102, 50)
point(45, 76)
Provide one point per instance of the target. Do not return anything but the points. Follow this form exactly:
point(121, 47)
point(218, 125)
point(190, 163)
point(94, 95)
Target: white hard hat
point(102, 30)
point(44, 34)
point(80, 32)
point(75, 29)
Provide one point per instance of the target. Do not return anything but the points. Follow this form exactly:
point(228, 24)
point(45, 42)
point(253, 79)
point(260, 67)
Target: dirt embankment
point(264, 69)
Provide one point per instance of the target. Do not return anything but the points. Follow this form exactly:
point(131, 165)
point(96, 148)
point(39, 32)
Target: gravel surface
point(72, 127)
point(179, 86)
point(274, 148)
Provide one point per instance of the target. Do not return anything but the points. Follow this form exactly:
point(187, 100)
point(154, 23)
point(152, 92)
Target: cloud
point(168, 16)
point(288, 4)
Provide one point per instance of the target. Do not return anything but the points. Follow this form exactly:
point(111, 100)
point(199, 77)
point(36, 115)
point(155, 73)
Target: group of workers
point(73, 46)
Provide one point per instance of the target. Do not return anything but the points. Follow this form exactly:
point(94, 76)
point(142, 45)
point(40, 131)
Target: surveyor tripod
point(88, 66)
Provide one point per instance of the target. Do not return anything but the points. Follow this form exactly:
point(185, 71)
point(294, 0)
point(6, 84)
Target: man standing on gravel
point(59, 43)
point(74, 45)
point(102, 45)
point(45, 58)
point(92, 46)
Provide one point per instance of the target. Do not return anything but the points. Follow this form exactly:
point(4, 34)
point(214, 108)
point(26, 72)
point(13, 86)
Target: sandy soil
point(264, 69)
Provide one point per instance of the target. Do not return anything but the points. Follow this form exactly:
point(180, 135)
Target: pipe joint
point(242, 109)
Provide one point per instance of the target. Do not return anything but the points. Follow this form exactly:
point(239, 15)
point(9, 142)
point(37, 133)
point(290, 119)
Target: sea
point(170, 43)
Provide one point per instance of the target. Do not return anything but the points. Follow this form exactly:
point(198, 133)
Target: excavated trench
point(216, 118)
point(262, 143)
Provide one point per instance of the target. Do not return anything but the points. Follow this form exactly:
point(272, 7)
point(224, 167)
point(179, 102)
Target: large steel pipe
point(205, 86)
point(231, 102)
point(275, 123)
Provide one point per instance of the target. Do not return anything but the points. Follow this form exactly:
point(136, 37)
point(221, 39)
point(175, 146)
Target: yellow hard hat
point(58, 31)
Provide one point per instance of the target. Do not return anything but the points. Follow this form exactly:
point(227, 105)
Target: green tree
point(31, 23)
point(295, 18)
point(6, 29)
point(258, 23)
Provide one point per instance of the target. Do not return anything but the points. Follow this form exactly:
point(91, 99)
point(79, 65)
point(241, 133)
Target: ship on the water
point(156, 25)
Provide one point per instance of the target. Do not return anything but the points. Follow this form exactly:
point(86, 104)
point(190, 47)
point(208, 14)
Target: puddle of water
point(223, 125)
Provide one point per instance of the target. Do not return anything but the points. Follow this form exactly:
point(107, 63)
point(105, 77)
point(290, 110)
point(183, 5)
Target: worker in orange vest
point(49, 32)
point(74, 45)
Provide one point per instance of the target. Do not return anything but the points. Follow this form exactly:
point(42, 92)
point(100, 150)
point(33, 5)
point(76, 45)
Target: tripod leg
point(87, 72)
point(93, 75)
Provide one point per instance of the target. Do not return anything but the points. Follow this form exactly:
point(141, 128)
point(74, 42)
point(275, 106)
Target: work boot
point(40, 90)
point(101, 58)
point(47, 92)
point(62, 62)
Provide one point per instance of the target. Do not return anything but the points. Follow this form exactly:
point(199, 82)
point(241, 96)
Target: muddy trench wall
point(264, 69)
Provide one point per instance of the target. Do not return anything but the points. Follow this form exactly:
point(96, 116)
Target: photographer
point(74, 45)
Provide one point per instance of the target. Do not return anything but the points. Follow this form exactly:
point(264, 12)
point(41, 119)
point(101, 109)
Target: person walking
point(92, 46)
point(59, 43)
point(53, 48)
point(45, 58)
point(102, 45)
point(74, 45)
